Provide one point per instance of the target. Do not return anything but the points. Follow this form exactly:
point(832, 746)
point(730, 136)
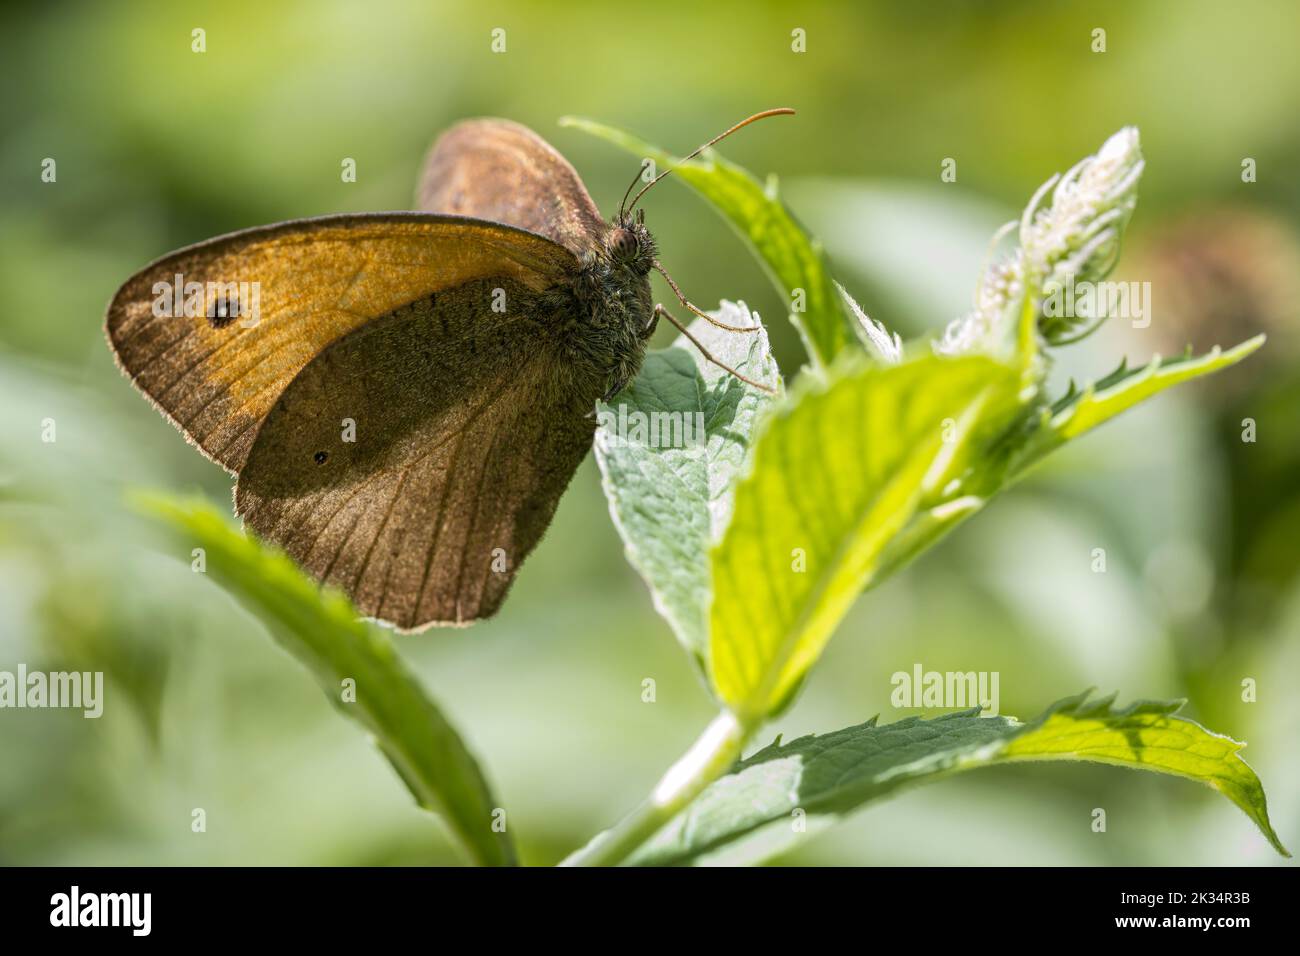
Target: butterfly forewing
point(495, 169)
point(255, 307)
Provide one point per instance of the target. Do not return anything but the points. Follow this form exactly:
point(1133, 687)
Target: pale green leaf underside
point(669, 481)
point(750, 814)
point(321, 629)
point(793, 259)
point(837, 471)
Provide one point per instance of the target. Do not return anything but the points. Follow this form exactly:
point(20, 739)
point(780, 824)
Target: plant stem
point(709, 757)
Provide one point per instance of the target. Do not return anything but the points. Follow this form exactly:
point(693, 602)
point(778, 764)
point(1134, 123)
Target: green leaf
point(1081, 411)
point(321, 629)
point(1124, 388)
point(794, 260)
point(838, 470)
point(669, 449)
point(1029, 440)
point(747, 815)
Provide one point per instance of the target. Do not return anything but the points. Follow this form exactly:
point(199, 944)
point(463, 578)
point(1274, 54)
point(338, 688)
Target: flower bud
point(1075, 238)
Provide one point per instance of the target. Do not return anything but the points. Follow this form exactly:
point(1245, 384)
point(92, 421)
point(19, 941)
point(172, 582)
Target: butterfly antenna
point(703, 315)
point(630, 187)
point(660, 310)
point(783, 111)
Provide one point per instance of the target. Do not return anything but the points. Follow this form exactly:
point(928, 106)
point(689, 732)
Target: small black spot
point(321, 457)
point(223, 310)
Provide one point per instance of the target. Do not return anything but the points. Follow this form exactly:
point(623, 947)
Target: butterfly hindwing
point(499, 170)
point(265, 302)
point(418, 460)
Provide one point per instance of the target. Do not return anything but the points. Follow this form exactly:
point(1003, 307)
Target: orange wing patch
point(214, 333)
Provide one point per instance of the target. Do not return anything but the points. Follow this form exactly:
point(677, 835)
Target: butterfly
point(403, 397)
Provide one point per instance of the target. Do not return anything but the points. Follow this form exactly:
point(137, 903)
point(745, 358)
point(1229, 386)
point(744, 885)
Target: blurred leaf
point(321, 629)
point(837, 471)
point(794, 260)
point(917, 245)
point(748, 815)
point(670, 489)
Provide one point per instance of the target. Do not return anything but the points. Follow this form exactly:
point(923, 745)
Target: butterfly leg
point(650, 326)
point(702, 314)
point(660, 310)
point(618, 378)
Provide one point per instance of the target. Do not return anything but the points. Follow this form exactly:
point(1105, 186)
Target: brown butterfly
point(405, 396)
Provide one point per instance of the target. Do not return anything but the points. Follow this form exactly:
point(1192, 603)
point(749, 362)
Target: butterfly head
point(630, 244)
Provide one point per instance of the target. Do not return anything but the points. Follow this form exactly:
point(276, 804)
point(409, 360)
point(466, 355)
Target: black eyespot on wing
point(223, 310)
point(321, 457)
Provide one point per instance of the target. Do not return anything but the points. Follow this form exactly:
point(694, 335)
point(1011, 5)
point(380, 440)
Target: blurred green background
point(157, 146)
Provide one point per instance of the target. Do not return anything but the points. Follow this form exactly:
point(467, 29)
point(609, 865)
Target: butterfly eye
point(623, 243)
